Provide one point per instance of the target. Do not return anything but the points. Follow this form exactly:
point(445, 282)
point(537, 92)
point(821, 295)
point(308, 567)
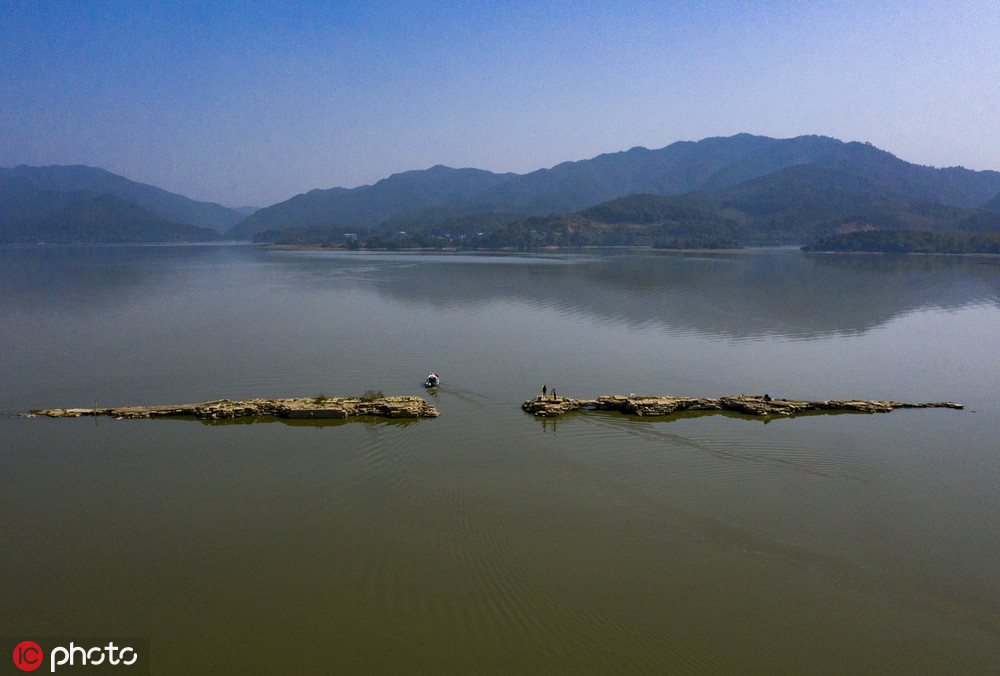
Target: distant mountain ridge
point(86, 181)
point(371, 205)
point(794, 205)
point(712, 165)
point(745, 189)
point(102, 219)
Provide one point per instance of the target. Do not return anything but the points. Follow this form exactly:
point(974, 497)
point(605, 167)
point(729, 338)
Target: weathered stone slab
point(318, 407)
point(645, 406)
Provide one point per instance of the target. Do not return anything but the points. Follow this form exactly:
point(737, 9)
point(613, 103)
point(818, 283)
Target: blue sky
point(254, 102)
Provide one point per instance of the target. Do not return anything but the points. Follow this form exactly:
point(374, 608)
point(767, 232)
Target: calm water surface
point(486, 541)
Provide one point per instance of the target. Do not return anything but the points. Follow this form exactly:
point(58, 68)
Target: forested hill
point(99, 219)
point(993, 204)
point(744, 189)
point(67, 183)
point(408, 193)
point(795, 205)
point(708, 166)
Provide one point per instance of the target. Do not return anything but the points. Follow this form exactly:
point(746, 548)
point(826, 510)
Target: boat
point(432, 380)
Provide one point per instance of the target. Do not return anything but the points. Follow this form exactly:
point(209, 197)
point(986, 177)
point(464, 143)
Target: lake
point(488, 541)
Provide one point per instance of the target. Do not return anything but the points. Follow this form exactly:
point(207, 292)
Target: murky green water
point(486, 541)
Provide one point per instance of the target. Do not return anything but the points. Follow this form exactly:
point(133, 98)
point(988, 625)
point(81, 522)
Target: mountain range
point(745, 188)
point(86, 204)
point(775, 190)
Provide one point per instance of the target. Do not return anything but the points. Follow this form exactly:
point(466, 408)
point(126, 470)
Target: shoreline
point(902, 253)
point(649, 249)
point(483, 250)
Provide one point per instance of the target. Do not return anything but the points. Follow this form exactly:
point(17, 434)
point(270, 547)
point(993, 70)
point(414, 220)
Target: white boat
point(432, 380)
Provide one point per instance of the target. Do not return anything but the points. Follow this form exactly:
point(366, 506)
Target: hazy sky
point(254, 102)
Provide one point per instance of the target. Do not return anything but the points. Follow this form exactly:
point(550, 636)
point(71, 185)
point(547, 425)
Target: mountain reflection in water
point(486, 540)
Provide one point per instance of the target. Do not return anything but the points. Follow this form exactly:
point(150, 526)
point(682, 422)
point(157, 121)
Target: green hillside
point(794, 205)
point(708, 166)
point(398, 196)
point(717, 192)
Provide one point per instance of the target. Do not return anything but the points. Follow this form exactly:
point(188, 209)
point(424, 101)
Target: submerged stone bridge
point(546, 407)
point(317, 407)
point(540, 406)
